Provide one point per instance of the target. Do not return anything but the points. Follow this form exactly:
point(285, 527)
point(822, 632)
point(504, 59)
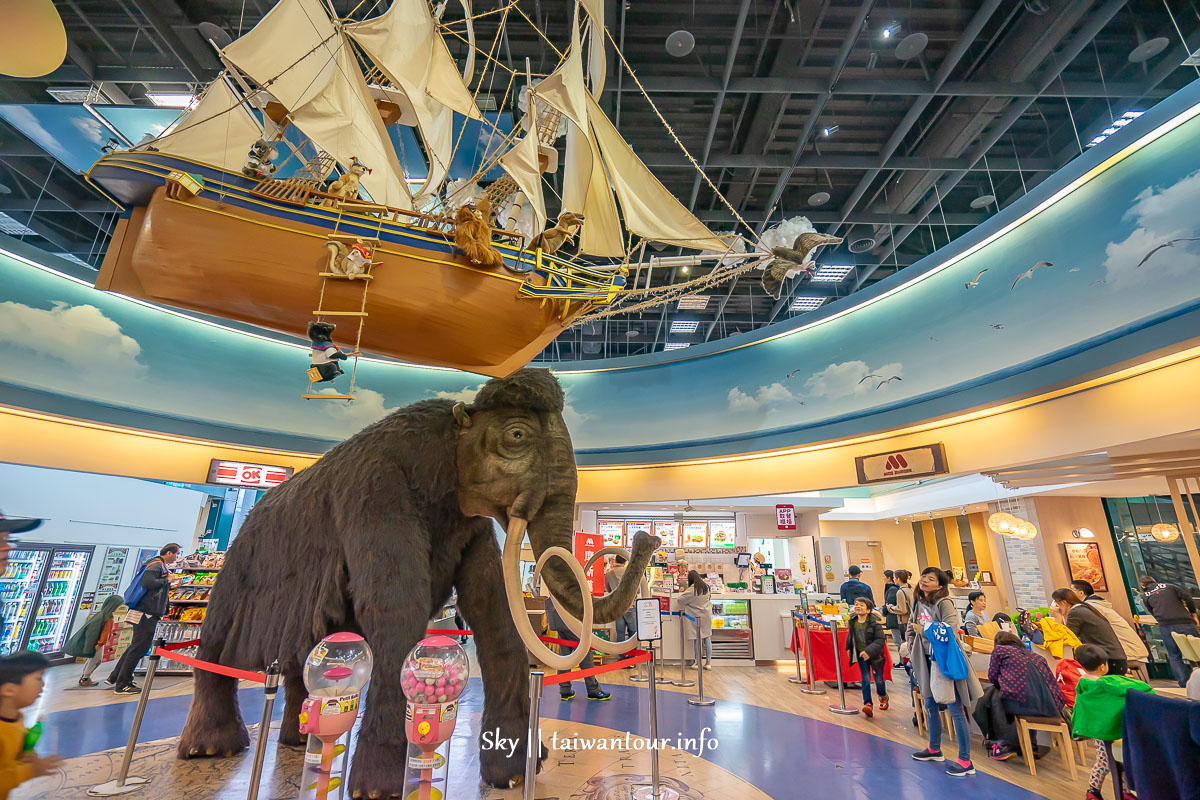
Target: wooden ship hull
point(257, 252)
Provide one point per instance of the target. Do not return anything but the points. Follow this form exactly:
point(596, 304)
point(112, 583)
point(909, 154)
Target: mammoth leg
point(293, 697)
point(502, 660)
point(214, 724)
point(392, 615)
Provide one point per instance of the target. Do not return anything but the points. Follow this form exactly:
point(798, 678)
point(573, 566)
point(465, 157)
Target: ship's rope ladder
point(339, 236)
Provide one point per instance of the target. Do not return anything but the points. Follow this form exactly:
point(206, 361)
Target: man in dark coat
point(854, 588)
point(157, 582)
point(1175, 612)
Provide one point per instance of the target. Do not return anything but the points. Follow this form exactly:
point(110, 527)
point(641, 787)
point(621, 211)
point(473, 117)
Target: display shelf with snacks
point(187, 605)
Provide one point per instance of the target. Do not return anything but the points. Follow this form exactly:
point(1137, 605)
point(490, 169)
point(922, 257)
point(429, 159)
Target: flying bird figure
point(998, 327)
point(1171, 243)
point(788, 261)
point(887, 381)
point(1073, 269)
point(872, 375)
point(974, 282)
point(792, 374)
point(1029, 272)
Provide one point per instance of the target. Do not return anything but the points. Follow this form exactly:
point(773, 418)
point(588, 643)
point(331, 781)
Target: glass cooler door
point(731, 629)
point(59, 599)
point(18, 591)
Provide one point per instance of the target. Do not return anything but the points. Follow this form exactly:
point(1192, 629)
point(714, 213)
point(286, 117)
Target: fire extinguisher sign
point(785, 516)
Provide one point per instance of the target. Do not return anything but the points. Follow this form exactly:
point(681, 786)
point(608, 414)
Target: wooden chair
point(1137, 669)
point(922, 722)
point(1057, 728)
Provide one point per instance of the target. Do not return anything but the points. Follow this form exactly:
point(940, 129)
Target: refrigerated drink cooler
point(40, 591)
point(731, 636)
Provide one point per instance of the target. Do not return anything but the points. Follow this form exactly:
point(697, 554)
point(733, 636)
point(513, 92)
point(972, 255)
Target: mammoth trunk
point(553, 526)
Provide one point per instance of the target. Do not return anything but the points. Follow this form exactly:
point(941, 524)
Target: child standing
point(866, 642)
point(20, 684)
point(1094, 660)
point(88, 642)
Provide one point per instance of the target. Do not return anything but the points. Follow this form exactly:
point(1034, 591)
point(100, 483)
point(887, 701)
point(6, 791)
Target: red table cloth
point(821, 662)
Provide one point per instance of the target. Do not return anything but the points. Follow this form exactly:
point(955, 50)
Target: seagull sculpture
point(1171, 243)
point(887, 381)
point(788, 261)
point(871, 375)
point(974, 282)
point(792, 374)
point(1029, 272)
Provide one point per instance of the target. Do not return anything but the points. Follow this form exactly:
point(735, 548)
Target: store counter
point(747, 628)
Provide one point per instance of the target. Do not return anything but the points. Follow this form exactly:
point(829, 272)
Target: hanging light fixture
point(1165, 532)
point(1025, 530)
point(1002, 523)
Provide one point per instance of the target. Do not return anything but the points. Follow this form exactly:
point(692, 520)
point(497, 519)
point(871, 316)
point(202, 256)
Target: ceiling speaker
point(680, 43)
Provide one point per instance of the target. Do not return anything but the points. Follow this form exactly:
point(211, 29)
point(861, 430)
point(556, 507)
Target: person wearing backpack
point(147, 601)
point(88, 642)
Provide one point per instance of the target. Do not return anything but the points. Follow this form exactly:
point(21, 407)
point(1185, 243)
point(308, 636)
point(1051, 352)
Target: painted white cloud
point(463, 395)
point(575, 419)
point(368, 406)
point(24, 120)
point(761, 399)
point(76, 343)
point(849, 379)
point(1159, 215)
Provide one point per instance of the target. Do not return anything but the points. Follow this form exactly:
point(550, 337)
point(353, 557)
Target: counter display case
point(732, 637)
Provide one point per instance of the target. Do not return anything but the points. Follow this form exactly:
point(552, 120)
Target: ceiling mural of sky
point(1116, 254)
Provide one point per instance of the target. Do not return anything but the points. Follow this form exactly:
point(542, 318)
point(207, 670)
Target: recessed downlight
point(818, 198)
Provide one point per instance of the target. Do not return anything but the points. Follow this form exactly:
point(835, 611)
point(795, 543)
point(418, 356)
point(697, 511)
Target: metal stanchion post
point(683, 681)
point(796, 645)
point(533, 741)
point(656, 653)
point(837, 662)
point(808, 661)
point(654, 791)
point(640, 675)
point(264, 729)
point(699, 699)
point(125, 784)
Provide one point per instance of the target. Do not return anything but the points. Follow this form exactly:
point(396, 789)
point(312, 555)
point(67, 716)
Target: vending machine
point(40, 591)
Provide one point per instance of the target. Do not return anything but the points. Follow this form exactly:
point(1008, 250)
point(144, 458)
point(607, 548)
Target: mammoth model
point(373, 537)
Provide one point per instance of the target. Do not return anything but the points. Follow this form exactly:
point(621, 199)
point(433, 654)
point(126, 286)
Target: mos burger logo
point(895, 463)
point(910, 462)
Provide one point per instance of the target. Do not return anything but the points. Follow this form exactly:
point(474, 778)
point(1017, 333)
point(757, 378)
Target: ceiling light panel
point(13, 228)
point(171, 99)
point(806, 303)
point(675, 345)
point(832, 273)
point(693, 302)
point(684, 325)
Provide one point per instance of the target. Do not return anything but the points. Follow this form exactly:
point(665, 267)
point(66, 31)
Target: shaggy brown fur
point(372, 539)
point(551, 239)
point(473, 235)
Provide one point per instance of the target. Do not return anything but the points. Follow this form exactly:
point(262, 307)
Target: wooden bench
point(1056, 727)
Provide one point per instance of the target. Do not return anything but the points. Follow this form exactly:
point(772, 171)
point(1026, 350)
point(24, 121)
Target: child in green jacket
point(1100, 708)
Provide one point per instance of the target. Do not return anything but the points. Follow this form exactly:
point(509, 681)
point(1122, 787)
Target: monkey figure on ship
point(325, 354)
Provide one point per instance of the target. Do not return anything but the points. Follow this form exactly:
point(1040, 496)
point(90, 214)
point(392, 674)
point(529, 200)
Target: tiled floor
point(768, 734)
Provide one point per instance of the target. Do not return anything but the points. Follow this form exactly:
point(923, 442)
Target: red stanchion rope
point(635, 657)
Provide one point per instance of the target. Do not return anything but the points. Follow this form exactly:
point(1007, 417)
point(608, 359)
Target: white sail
point(523, 164)
point(649, 209)
point(601, 234)
point(219, 130)
point(405, 44)
point(597, 63)
point(299, 57)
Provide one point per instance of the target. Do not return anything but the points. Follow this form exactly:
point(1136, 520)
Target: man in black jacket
point(144, 616)
point(1174, 611)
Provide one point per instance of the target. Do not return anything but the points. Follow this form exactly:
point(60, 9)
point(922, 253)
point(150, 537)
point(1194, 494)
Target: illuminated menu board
point(613, 532)
point(720, 534)
point(695, 535)
point(631, 529)
point(668, 532)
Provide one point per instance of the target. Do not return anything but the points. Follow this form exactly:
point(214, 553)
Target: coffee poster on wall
point(1083, 562)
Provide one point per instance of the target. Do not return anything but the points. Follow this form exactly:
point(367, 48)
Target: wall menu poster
point(721, 534)
point(631, 529)
point(668, 532)
point(1083, 562)
point(110, 571)
point(695, 535)
point(613, 531)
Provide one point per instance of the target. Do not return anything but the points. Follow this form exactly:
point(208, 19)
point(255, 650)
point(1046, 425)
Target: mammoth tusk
point(603, 645)
point(516, 601)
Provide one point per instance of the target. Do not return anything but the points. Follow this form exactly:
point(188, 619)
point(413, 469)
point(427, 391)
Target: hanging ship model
point(209, 226)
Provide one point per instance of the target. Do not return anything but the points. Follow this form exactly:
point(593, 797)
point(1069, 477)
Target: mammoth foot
point(213, 739)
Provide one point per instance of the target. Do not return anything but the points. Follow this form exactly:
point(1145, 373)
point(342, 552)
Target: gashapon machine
point(435, 674)
point(335, 673)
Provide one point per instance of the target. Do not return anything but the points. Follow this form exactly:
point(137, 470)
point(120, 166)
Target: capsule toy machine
point(434, 677)
point(335, 673)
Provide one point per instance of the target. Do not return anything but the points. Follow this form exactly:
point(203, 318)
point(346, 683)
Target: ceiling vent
point(861, 245)
point(72, 94)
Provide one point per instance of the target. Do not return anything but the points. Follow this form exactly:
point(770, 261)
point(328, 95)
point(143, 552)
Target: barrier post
point(840, 708)
point(796, 635)
point(125, 784)
point(655, 654)
point(654, 791)
point(699, 699)
point(683, 681)
point(808, 661)
point(533, 742)
point(270, 688)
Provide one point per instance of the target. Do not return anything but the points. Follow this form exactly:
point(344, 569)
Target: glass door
point(18, 593)
point(58, 600)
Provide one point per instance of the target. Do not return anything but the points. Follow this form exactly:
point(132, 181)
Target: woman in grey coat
point(931, 604)
point(696, 603)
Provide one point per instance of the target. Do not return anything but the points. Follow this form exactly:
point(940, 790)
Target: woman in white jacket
point(697, 604)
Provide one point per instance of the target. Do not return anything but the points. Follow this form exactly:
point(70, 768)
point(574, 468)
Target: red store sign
point(236, 473)
point(785, 517)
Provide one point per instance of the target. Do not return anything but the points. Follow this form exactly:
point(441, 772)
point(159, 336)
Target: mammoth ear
point(461, 416)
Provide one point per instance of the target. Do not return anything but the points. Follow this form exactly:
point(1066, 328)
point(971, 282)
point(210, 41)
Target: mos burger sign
point(914, 462)
point(237, 473)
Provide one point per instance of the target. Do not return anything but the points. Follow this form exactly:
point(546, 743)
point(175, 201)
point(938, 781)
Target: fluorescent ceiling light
point(693, 302)
point(675, 345)
point(74, 259)
point(75, 94)
point(172, 99)
point(13, 228)
point(1125, 119)
point(807, 303)
point(684, 325)
point(832, 273)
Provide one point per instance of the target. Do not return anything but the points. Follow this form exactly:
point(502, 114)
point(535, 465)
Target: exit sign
point(785, 517)
point(237, 473)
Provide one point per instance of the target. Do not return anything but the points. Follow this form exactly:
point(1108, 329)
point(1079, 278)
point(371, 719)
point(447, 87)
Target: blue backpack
point(946, 652)
point(134, 592)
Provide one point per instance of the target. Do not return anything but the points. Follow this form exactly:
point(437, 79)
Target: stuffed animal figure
point(325, 354)
point(351, 261)
point(473, 235)
point(346, 186)
point(259, 162)
point(552, 239)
